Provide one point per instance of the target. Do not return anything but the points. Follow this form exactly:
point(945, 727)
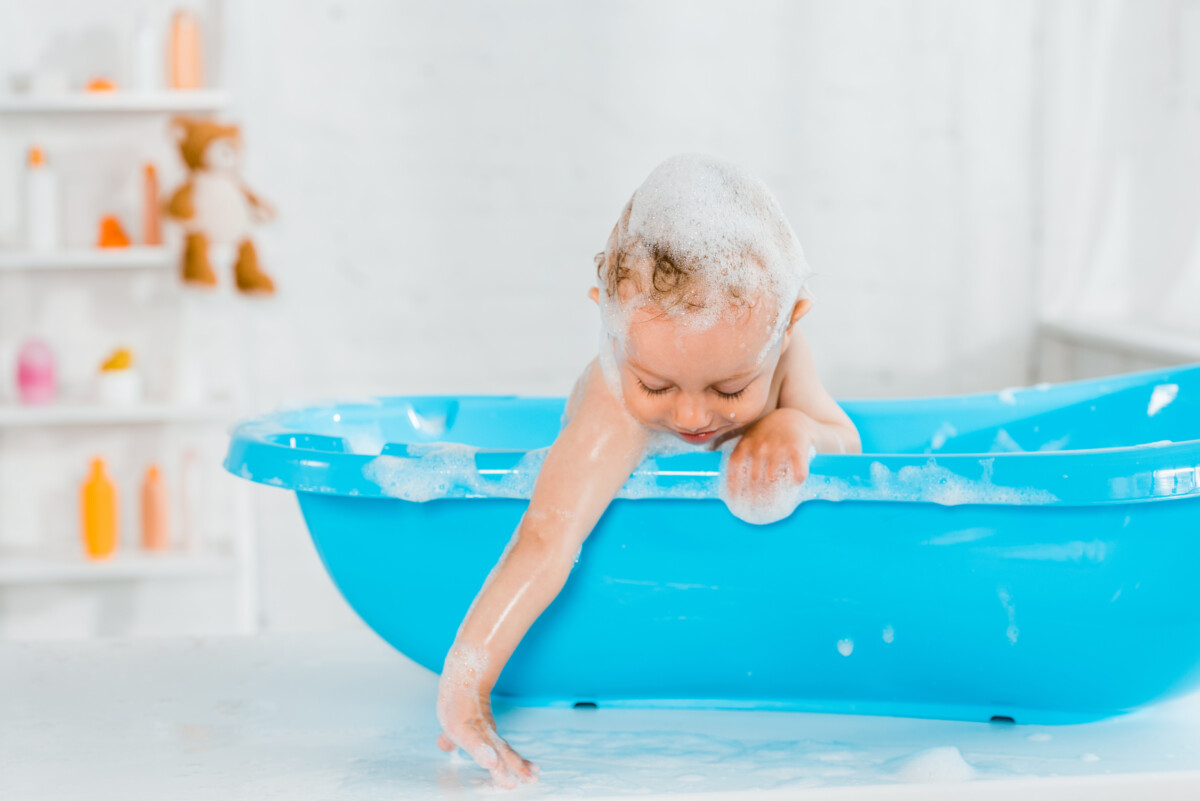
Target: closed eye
point(731, 395)
point(652, 391)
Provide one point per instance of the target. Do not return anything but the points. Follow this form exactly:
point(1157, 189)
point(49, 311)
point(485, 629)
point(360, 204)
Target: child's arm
point(807, 418)
point(592, 457)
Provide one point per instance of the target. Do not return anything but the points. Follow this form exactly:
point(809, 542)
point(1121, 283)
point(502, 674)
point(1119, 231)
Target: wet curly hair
point(671, 276)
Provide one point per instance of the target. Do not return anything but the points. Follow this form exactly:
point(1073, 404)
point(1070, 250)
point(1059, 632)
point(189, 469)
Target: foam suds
point(945, 764)
point(606, 355)
point(425, 479)
point(1012, 632)
point(928, 482)
point(366, 440)
point(1162, 397)
point(889, 634)
point(1004, 443)
point(464, 668)
point(1055, 444)
point(710, 228)
point(845, 647)
point(441, 470)
point(1008, 395)
point(447, 469)
point(429, 425)
point(944, 432)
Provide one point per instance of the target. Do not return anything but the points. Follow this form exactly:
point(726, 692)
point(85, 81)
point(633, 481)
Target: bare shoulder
point(593, 455)
point(593, 403)
point(801, 387)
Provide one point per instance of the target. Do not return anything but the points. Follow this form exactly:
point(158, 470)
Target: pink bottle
point(35, 372)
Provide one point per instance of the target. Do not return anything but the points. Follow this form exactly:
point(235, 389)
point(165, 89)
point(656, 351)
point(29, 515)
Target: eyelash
point(732, 396)
point(651, 391)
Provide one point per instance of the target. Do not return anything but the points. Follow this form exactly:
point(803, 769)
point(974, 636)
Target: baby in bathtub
point(700, 287)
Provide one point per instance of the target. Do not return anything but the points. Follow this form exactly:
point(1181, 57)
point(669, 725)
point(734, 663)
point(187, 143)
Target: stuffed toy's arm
point(180, 205)
point(260, 209)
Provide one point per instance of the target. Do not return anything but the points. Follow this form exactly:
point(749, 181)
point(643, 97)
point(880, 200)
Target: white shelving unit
point(173, 101)
point(134, 257)
point(236, 556)
point(18, 567)
point(14, 416)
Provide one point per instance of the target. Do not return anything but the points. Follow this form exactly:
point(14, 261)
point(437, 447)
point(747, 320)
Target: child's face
point(699, 382)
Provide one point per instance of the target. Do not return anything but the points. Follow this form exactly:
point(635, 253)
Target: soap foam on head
point(699, 234)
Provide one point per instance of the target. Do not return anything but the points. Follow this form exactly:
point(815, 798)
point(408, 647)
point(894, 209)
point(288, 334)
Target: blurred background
point(992, 194)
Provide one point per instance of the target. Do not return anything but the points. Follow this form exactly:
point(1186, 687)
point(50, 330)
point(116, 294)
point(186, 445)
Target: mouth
point(696, 439)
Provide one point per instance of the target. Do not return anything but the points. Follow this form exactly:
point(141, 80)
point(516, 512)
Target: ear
point(594, 294)
point(799, 310)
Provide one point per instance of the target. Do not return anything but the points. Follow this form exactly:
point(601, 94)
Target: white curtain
point(1121, 163)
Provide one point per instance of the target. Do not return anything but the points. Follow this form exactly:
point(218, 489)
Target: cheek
point(644, 408)
point(749, 407)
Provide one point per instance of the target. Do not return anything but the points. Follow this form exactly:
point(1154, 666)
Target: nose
point(690, 414)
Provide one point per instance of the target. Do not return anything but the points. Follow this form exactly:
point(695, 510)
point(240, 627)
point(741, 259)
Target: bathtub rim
point(1067, 477)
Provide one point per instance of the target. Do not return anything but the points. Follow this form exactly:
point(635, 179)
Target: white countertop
point(335, 716)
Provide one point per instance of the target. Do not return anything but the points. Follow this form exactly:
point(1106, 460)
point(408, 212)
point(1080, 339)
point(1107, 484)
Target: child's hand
point(465, 712)
point(774, 448)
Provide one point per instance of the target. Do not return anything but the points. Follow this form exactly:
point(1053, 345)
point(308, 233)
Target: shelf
point(1123, 337)
point(20, 567)
point(15, 416)
point(198, 100)
point(133, 257)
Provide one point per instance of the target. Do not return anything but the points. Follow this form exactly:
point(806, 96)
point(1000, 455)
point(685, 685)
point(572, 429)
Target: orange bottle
point(151, 224)
point(98, 502)
point(154, 511)
point(186, 55)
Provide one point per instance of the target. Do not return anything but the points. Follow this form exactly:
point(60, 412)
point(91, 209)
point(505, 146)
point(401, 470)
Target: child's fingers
point(510, 759)
point(759, 465)
point(444, 742)
point(778, 466)
point(519, 767)
point(742, 474)
point(502, 776)
point(471, 741)
point(735, 471)
point(799, 466)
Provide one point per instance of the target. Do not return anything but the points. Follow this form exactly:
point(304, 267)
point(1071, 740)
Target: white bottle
point(41, 204)
point(147, 67)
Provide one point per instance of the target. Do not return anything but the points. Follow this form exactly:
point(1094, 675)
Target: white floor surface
point(346, 717)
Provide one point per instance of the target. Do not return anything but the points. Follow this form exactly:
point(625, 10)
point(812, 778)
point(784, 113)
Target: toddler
point(700, 287)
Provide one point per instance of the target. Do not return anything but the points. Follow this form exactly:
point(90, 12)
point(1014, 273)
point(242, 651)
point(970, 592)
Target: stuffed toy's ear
point(181, 128)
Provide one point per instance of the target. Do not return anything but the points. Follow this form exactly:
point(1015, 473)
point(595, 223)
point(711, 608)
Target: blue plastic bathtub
point(1029, 554)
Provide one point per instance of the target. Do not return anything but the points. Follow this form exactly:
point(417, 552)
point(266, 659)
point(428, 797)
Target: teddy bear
point(213, 205)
